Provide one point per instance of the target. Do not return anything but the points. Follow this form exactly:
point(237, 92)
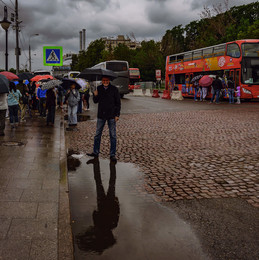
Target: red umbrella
point(9, 75)
point(39, 77)
point(205, 81)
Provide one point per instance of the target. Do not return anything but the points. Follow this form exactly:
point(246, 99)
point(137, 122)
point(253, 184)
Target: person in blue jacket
point(41, 94)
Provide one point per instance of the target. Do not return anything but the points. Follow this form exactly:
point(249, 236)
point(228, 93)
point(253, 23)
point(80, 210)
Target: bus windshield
point(250, 49)
point(250, 72)
point(116, 66)
point(134, 73)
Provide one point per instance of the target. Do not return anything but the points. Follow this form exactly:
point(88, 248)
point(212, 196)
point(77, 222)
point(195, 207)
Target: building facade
point(112, 42)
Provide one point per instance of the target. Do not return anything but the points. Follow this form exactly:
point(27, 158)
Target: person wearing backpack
point(13, 104)
point(24, 100)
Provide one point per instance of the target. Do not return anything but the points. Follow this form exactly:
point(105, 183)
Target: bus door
point(190, 84)
point(232, 74)
point(188, 88)
point(237, 78)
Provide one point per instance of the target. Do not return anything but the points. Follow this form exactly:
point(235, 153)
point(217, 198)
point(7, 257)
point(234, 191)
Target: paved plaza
point(199, 154)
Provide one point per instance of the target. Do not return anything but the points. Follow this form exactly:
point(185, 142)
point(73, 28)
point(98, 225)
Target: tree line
point(217, 25)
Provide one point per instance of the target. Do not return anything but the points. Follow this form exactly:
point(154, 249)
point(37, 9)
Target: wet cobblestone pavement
point(189, 154)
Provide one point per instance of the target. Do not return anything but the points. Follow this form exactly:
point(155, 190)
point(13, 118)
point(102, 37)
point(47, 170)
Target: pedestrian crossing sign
point(52, 56)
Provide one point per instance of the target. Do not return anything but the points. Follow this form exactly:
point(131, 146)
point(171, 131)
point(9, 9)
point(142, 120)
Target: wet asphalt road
point(225, 228)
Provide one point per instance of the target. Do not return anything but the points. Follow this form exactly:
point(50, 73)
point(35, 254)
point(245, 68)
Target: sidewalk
point(34, 207)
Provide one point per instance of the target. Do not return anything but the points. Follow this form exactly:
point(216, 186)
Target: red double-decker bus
point(134, 76)
point(238, 59)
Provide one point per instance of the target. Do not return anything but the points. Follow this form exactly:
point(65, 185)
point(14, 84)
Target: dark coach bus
point(121, 68)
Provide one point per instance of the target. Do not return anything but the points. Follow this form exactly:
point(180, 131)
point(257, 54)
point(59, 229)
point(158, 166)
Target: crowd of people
point(217, 89)
point(34, 100)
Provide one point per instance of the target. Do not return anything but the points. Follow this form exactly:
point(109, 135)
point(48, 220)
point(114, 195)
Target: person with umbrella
point(13, 104)
point(41, 95)
point(24, 101)
point(217, 86)
point(32, 96)
point(3, 108)
point(51, 106)
point(109, 105)
point(195, 81)
point(72, 99)
point(4, 90)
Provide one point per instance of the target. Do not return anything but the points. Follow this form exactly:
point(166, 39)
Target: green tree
point(12, 70)
point(123, 52)
point(173, 41)
point(149, 58)
point(90, 57)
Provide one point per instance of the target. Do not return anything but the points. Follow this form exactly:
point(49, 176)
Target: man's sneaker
point(113, 159)
point(92, 154)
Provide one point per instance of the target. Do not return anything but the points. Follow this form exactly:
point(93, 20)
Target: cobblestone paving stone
point(187, 155)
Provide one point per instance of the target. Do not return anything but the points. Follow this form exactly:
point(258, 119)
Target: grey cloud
point(159, 13)
point(99, 4)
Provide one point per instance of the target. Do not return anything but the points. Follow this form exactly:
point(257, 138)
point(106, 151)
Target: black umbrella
point(50, 84)
point(196, 78)
point(4, 84)
point(25, 75)
point(66, 83)
point(92, 74)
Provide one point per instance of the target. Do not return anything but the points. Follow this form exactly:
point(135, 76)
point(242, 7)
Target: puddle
point(80, 117)
point(73, 160)
point(11, 143)
point(114, 218)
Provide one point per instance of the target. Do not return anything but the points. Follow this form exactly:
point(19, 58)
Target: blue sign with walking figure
point(52, 56)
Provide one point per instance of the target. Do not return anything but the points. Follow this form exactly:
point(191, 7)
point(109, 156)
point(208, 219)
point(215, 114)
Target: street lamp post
point(35, 34)
point(5, 25)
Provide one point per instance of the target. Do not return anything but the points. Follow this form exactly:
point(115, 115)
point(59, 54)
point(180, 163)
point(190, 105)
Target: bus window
point(116, 66)
point(219, 50)
point(172, 59)
point(207, 53)
point(180, 78)
point(233, 50)
point(188, 56)
point(179, 58)
point(197, 55)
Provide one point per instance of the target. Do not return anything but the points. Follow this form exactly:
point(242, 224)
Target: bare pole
point(83, 39)
point(17, 49)
point(80, 37)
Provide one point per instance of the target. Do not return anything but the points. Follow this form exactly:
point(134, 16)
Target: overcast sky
point(58, 22)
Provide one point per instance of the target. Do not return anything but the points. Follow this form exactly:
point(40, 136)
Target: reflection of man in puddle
point(99, 237)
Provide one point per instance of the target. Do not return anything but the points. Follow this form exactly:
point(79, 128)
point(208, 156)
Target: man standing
point(24, 99)
point(41, 95)
point(3, 108)
point(109, 105)
point(217, 86)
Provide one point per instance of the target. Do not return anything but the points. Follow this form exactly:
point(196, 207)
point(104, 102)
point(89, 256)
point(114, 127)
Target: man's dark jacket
point(217, 84)
point(109, 102)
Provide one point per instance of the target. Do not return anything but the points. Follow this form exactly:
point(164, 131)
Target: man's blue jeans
point(216, 93)
point(231, 95)
point(98, 135)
